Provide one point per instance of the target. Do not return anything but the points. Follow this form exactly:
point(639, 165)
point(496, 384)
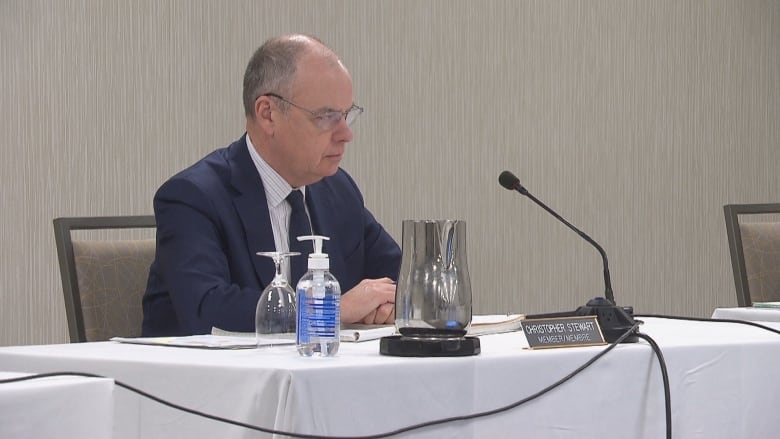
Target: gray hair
point(272, 67)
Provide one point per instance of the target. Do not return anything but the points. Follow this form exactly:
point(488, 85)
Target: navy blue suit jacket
point(211, 220)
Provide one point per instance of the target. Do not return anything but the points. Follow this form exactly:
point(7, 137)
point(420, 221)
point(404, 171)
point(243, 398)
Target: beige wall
point(637, 120)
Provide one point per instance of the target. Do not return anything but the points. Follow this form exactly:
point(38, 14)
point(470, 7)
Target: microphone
point(509, 181)
point(613, 320)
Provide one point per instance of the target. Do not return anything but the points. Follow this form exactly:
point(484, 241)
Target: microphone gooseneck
point(509, 181)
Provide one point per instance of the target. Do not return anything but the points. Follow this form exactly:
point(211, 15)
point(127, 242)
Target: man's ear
point(264, 117)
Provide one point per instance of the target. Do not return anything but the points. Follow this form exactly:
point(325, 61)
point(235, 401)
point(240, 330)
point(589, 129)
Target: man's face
point(304, 151)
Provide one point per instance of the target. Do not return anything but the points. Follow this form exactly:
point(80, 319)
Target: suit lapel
point(252, 207)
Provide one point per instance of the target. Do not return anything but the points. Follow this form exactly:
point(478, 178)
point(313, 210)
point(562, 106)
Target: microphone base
point(614, 320)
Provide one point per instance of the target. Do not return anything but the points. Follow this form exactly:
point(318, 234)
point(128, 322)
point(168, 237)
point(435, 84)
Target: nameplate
point(563, 332)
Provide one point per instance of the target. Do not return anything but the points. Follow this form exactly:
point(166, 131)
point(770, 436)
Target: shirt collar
point(276, 187)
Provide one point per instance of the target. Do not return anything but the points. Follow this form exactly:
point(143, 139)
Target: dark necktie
point(299, 226)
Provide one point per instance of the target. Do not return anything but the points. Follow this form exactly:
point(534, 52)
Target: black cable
point(547, 389)
point(514, 404)
point(661, 360)
point(700, 319)
point(160, 401)
point(665, 377)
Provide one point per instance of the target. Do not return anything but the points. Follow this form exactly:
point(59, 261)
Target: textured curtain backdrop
point(637, 120)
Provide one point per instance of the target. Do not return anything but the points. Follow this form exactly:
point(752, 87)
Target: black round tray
point(400, 346)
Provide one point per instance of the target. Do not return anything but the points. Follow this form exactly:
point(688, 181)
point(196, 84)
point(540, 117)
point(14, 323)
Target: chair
point(755, 252)
point(103, 280)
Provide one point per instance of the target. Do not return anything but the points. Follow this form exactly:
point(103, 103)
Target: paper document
point(495, 324)
point(480, 325)
point(766, 304)
point(349, 333)
point(357, 333)
point(207, 341)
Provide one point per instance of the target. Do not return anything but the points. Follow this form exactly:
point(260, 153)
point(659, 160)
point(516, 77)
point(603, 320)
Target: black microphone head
point(508, 180)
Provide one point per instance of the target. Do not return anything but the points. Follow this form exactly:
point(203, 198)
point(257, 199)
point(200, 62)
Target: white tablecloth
point(748, 313)
point(56, 407)
point(725, 382)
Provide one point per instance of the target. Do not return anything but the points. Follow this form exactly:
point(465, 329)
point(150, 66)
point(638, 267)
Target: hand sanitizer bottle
point(319, 305)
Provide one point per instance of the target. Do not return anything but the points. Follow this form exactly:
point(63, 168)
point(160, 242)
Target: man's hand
point(372, 301)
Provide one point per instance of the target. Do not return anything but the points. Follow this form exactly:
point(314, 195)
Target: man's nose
point(343, 132)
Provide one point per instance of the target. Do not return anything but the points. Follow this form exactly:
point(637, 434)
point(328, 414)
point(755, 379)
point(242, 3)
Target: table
point(61, 407)
point(748, 313)
point(725, 382)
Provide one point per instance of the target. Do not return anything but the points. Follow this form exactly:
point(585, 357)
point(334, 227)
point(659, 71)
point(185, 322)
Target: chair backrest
point(103, 280)
point(755, 252)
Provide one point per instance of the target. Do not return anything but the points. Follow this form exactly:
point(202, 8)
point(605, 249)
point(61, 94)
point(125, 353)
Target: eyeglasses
point(326, 120)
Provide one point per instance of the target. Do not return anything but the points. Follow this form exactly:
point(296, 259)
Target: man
point(214, 216)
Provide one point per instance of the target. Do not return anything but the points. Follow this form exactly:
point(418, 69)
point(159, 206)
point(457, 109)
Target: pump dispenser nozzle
point(317, 259)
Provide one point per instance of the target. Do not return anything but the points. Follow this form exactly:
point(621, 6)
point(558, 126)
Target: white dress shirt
point(276, 191)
